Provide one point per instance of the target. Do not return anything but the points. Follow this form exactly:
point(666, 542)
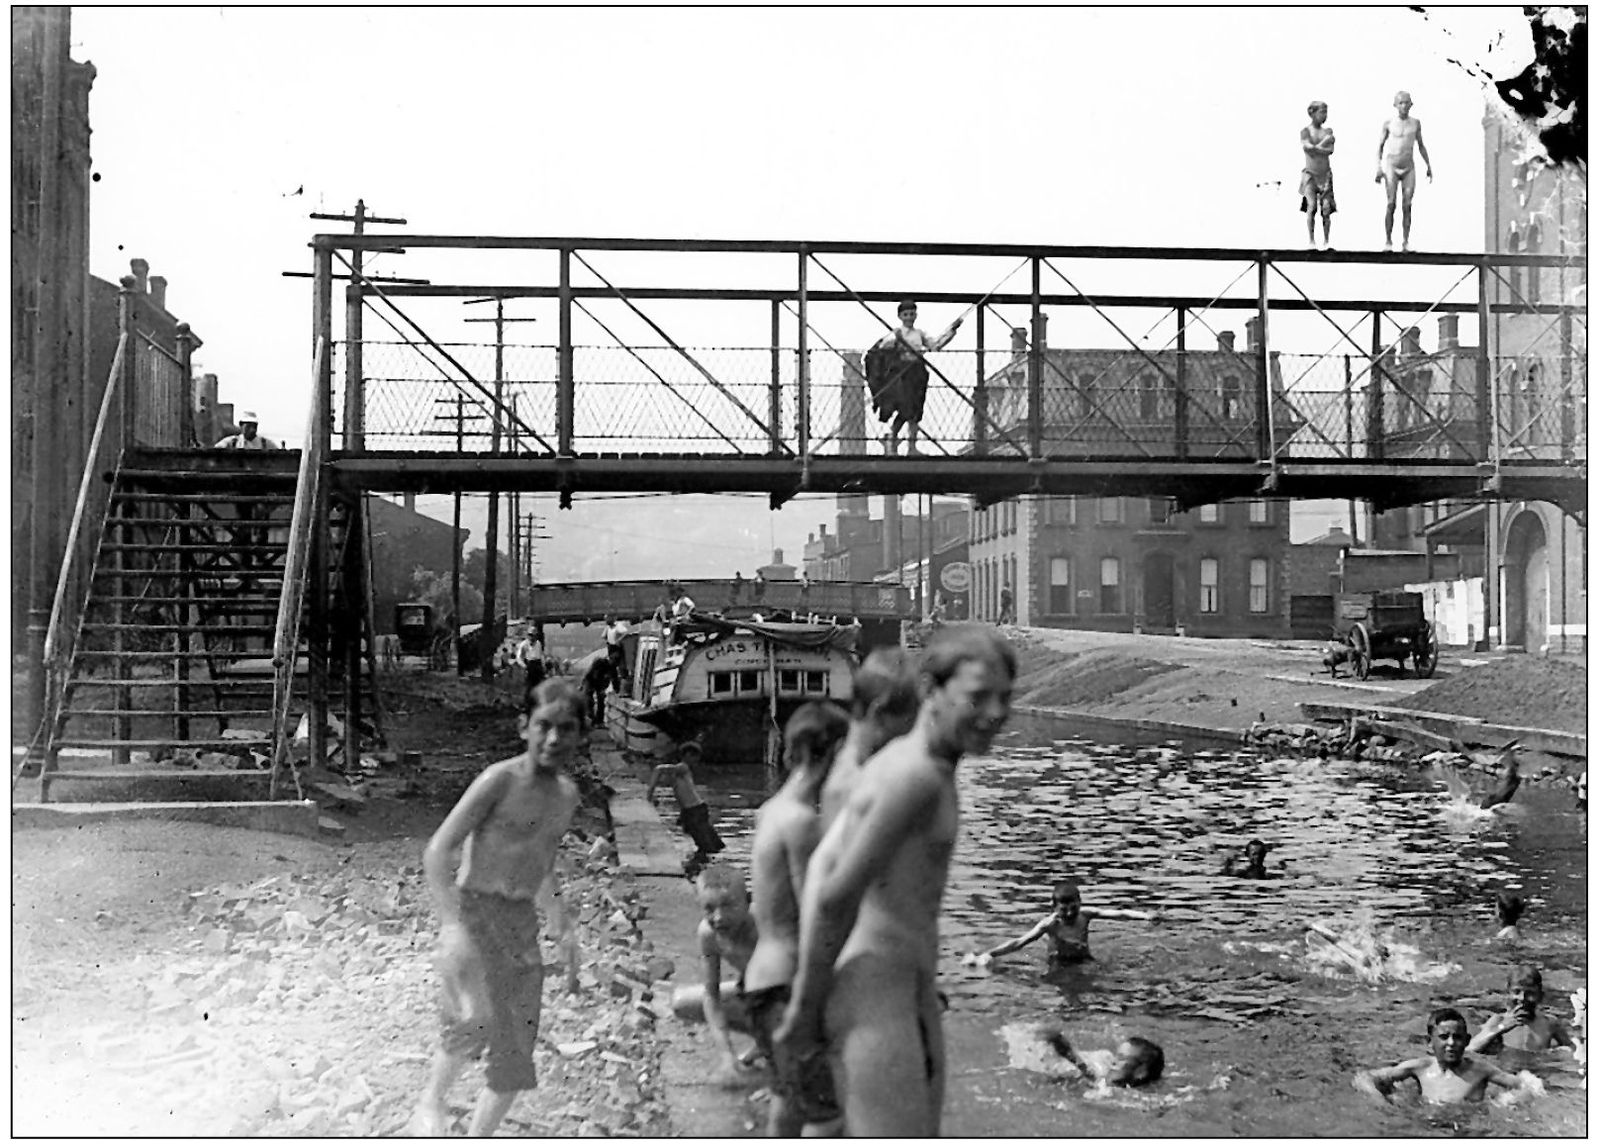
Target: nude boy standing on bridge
point(869, 925)
point(1397, 168)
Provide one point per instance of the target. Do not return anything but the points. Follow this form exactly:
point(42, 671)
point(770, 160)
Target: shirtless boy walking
point(787, 831)
point(505, 831)
point(1397, 168)
point(1448, 1074)
point(869, 929)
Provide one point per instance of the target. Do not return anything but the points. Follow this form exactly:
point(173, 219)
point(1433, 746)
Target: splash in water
point(1362, 951)
point(1580, 1028)
point(1461, 811)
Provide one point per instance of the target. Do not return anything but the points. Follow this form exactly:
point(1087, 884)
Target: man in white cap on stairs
point(247, 438)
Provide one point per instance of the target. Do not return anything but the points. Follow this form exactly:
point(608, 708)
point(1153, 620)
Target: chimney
point(141, 273)
point(158, 291)
point(1252, 334)
point(1225, 340)
point(824, 529)
point(1449, 331)
point(1411, 342)
point(777, 557)
point(1019, 340)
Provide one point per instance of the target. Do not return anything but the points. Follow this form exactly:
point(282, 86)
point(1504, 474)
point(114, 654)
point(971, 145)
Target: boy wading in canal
point(1067, 925)
point(506, 830)
point(869, 934)
point(1448, 1074)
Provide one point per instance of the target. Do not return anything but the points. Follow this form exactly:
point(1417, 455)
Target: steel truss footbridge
point(698, 365)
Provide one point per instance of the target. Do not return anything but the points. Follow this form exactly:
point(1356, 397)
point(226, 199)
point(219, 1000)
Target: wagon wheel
point(1425, 651)
point(1361, 645)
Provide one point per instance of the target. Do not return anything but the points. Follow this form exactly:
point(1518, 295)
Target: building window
point(1110, 510)
point(1160, 510)
point(1258, 511)
point(1110, 585)
point(1083, 383)
point(1210, 593)
point(1211, 514)
point(1060, 584)
point(1531, 245)
point(1514, 274)
point(1531, 400)
point(1149, 396)
point(1062, 511)
point(1258, 585)
point(1228, 391)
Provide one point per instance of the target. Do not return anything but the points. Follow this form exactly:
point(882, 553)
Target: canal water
point(1261, 1025)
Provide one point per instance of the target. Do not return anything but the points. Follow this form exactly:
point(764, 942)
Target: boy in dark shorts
point(726, 935)
point(694, 817)
point(1316, 179)
point(787, 830)
point(505, 833)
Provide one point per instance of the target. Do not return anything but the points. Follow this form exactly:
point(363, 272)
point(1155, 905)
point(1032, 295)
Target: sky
point(217, 130)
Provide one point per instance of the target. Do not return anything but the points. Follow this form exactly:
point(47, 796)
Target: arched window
point(1083, 384)
point(1514, 274)
point(1149, 396)
point(1531, 244)
point(1228, 391)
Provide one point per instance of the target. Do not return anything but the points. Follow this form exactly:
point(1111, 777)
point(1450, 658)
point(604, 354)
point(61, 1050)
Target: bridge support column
point(1375, 419)
point(803, 369)
point(1264, 435)
point(1180, 397)
point(775, 393)
point(1036, 371)
point(1486, 428)
point(564, 386)
point(980, 394)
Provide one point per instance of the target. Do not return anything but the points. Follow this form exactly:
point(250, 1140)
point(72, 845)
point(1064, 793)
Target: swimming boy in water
point(1251, 864)
point(1067, 926)
point(787, 831)
point(1508, 908)
point(1520, 1026)
point(1447, 1074)
point(485, 867)
point(883, 707)
point(726, 934)
point(1135, 1061)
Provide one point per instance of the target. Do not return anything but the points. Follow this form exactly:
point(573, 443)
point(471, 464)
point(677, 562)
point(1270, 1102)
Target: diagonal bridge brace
point(494, 407)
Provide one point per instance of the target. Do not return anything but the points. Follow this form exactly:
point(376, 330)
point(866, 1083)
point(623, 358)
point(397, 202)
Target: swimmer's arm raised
point(440, 857)
point(1493, 1028)
point(1380, 1082)
point(1037, 931)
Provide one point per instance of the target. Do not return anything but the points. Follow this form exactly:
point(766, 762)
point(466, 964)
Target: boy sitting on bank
point(1520, 1026)
point(1067, 926)
point(694, 817)
point(1447, 1074)
point(726, 934)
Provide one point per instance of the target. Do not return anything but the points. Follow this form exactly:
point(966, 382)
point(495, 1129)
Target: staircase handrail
point(291, 602)
point(88, 517)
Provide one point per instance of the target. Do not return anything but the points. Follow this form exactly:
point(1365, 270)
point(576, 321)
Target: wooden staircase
point(171, 680)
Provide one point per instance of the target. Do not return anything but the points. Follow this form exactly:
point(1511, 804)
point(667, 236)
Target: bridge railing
point(1122, 377)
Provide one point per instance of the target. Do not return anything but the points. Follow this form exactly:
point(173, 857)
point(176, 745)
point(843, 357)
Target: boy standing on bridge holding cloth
point(897, 375)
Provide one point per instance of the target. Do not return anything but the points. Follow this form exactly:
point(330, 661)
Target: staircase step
point(197, 522)
point(231, 497)
point(179, 547)
point(192, 713)
point(202, 602)
point(163, 627)
point(166, 742)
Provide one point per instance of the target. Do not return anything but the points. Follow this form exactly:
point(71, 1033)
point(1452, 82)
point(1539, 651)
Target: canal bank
point(1104, 685)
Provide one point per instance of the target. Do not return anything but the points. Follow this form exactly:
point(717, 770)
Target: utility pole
point(486, 637)
point(460, 419)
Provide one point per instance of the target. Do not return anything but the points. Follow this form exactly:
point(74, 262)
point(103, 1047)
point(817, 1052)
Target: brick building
point(1121, 563)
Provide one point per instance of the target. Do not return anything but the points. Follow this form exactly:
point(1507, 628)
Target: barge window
point(721, 682)
point(749, 681)
point(788, 680)
point(816, 682)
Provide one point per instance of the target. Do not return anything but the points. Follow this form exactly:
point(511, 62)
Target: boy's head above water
point(1447, 1036)
point(1067, 897)
point(1509, 906)
point(1525, 986)
point(1139, 1061)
